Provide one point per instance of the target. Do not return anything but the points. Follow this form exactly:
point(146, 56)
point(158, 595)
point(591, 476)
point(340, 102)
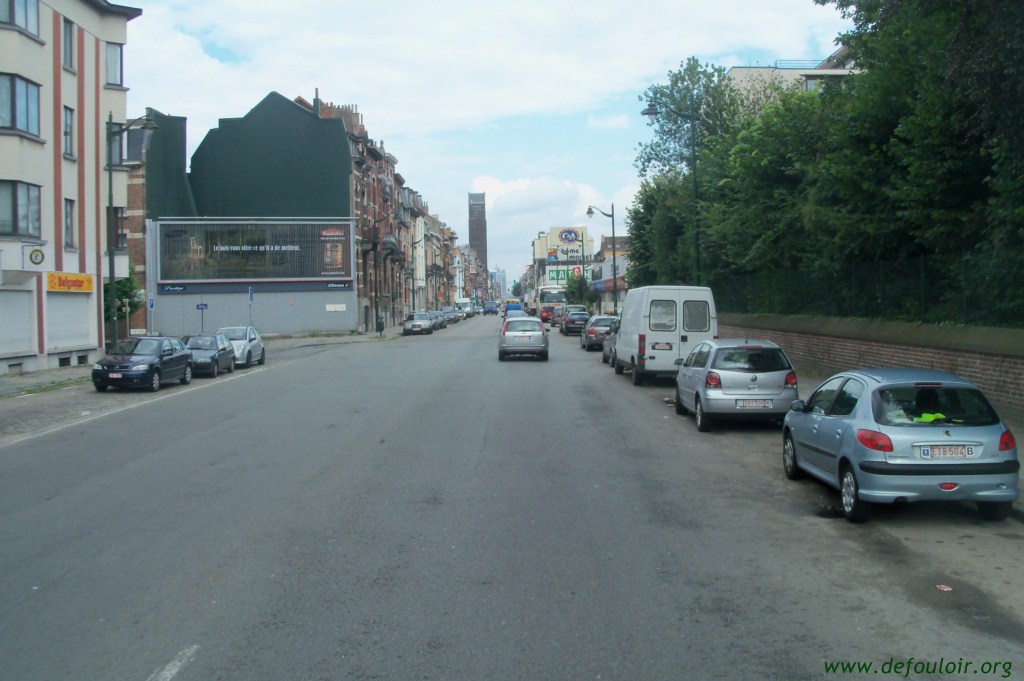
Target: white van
point(658, 325)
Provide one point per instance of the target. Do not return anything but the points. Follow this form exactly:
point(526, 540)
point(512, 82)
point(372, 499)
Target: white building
point(61, 76)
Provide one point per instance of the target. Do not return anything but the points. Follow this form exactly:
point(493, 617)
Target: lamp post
point(615, 267)
point(116, 134)
point(652, 110)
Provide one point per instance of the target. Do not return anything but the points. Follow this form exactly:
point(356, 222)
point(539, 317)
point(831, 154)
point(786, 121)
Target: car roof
point(884, 375)
point(741, 342)
point(520, 318)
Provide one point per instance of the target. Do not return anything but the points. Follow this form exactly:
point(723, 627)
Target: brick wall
point(999, 374)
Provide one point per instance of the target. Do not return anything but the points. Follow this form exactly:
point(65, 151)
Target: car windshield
point(751, 360)
point(923, 405)
point(418, 317)
point(137, 346)
point(602, 322)
point(201, 343)
point(523, 326)
point(234, 332)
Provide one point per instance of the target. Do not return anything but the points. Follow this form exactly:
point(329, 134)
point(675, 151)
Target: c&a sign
point(72, 282)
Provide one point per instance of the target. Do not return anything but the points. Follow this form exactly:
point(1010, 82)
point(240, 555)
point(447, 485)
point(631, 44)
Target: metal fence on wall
point(973, 290)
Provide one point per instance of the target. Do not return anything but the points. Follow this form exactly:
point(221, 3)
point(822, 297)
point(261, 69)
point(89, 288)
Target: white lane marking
point(175, 666)
point(189, 388)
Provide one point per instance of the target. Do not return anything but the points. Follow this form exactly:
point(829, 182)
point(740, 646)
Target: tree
point(126, 289)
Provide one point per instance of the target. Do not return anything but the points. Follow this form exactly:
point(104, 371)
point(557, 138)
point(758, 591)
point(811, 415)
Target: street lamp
point(651, 111)
point(115, 133)
point(615, 267)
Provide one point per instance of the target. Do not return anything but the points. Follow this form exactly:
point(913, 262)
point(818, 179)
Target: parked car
point(451, 316)
point(438, 319)
point(564, 312)
point(903, 435)
point(735, 378)
point(523, 336)
point(211, 353)
point(608, 345)
point(247, 342)
point(594, 332)
point(417, 323)
point(143, 362)
point(573, 323)
point(660, 324)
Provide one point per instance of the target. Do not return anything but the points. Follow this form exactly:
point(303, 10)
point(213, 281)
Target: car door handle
point(839, 433)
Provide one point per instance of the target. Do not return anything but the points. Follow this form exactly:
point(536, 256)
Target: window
point(22, 13)
point(822, 397)
point(19, 104)
point(846, 400)
point(69, 131)
point(115, 71)
point(69, 44)
point(69, 223)
point(19, 208)
point(696, 315)
point(663, 315)
point(115, 152)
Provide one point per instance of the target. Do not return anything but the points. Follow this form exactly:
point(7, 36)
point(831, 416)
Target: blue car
point(143, 362)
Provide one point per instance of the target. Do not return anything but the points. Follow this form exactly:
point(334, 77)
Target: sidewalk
point(52, 379)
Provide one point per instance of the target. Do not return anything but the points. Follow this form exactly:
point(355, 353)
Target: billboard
point(272, 250)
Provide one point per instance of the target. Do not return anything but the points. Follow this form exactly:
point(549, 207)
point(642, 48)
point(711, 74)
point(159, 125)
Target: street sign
point(152, 303)
point(250, 294)
point(202, 306)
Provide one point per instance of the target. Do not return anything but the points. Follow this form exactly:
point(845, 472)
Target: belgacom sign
point(282, 250)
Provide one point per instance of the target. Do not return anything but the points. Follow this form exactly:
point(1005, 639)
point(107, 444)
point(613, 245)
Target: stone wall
point(991, 358)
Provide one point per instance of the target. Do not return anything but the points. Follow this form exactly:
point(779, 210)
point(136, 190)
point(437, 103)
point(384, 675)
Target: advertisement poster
point(236, 251)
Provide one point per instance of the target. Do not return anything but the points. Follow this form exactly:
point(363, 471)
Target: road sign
point(202, 306)
point(250, 294)
point(152, 303)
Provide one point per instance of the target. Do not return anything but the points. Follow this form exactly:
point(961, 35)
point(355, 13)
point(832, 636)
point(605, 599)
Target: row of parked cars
point(427, 322)
point(150, 361)
point(877, 435)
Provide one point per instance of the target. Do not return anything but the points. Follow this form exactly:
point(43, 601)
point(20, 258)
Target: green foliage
point(914, 157)
point(124, 289)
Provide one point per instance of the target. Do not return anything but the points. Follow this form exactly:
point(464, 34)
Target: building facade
point(478, 226)
point(61, 188)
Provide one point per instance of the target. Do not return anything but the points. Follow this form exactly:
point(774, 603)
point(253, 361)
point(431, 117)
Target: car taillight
point(713, 380)
point(641, 345)
point(872, 439)
point(1007, 441)
point(504, 330)
point(791, 379)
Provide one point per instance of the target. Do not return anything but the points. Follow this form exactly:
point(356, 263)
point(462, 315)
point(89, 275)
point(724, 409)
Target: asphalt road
point(414, 509)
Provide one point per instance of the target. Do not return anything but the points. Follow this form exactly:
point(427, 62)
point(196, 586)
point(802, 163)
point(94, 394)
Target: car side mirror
point(167, 352)
point(797, 405)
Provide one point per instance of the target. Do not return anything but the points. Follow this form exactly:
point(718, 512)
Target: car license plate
point(948, 451)
point(754, 404)
point(113, 374)
point(661, 346)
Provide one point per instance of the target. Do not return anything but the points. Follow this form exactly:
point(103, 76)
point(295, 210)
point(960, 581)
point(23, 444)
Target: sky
point(534, 103)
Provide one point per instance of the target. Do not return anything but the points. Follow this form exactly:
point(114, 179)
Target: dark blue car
point(143, 362)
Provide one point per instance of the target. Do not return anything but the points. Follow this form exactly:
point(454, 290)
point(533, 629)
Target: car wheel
point(186, 378)
point(501, 356)
point(703, 422)
point(231, 365)
point(789, 463)
point(995, 510)
point(638, 377)
point(154, 381)
point(855, 510)
point(615, 364)
point(604, 357)
point(100, 388)
point(263, 357)
point(216, 370)
point(544, 356)
point(680, 407)
point(248, 360)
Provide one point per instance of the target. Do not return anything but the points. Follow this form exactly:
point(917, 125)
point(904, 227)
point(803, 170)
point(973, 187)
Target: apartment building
point(61, 82)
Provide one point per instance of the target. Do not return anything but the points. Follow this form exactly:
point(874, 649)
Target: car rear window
point(916, 405)
point(750, 360)
point(522, 326)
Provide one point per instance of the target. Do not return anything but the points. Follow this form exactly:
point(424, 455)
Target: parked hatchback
point(903, 435)
point(523, 336)
point(594, 332)
point(735, 379)
point(247, 342)
point(143, 362)
point(211, 353)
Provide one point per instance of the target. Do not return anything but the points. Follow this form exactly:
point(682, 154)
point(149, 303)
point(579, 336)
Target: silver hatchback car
point(523, 336)
point(902, 435)
point(735, 379)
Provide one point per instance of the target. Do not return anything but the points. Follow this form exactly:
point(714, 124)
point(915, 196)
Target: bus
point(547, 295)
